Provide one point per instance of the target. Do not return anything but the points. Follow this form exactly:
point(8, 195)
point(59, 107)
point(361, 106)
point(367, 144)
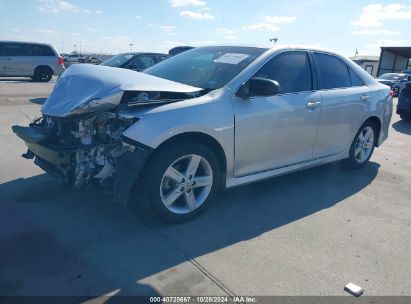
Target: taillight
point(60, 60)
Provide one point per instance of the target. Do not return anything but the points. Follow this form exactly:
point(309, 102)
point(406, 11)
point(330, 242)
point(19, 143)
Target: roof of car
point(278, 47)
point(26, 42)
point(140, 53)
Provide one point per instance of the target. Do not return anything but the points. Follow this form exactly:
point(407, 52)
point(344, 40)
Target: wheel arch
point(201, 138)
point(377, 122)
point(44, 66)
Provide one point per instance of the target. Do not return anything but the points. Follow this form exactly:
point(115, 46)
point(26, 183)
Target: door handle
point(312, 104)
point(365, 97)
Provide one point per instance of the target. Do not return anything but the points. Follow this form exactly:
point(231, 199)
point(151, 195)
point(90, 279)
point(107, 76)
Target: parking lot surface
point(308, 233)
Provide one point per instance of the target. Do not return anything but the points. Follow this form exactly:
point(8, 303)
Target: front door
point(278, 131)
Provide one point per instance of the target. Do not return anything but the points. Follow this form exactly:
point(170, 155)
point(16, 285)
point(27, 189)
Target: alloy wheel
point(364, 144)
point(186, 184)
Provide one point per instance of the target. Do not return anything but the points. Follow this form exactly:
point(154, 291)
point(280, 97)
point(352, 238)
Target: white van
point(38, 61)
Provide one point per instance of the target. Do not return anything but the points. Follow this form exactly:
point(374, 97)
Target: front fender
point(211, 114)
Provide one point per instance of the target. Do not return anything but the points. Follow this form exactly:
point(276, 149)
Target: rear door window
point(16, 49)
point(332, 72)
point(291, 70)
point(41, 50)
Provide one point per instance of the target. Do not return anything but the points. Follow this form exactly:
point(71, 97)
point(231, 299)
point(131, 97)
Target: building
point(368, 63)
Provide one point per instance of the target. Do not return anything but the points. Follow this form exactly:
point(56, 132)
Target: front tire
point(363, 145)
point(181, 181)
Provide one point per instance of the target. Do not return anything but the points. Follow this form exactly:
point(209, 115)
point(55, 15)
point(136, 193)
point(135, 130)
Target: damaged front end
point(81, 150)
point(79, 139)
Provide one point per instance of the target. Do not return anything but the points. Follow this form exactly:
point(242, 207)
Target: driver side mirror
point(259, 86)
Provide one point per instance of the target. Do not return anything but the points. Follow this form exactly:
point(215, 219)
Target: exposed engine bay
point(87, 145)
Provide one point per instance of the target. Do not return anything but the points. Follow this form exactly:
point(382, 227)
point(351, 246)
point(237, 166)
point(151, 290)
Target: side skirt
point(238, 181)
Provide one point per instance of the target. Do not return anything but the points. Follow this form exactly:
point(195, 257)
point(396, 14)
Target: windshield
point(118, 61)
point(390, 76)
point(206, 67)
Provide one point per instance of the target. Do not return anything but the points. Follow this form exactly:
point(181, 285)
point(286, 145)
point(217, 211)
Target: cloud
point(119, 41)
point(227, 33)
point(92, 29)
point(224, 31)
point(382, 42)
point(168, 30)
point(270, 23)
point(139, 17)
point(376, 32)
point(46, 31)
point(179, 3)
point(88, 11)
point(373, 15)
point(196, 15)
point(56, 6)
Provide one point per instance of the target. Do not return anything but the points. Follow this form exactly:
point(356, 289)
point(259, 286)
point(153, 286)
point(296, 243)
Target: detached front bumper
point(57, 161)
point(60, 162)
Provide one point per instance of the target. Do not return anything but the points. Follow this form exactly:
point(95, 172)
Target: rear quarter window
point(42, 50)
point(355, 80)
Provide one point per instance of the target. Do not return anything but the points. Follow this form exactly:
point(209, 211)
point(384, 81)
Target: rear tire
point(363, 145)
point(43, 74)
point(180, 181)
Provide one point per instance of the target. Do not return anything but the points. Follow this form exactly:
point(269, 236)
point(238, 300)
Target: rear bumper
point(58, 69)
point(385, 126)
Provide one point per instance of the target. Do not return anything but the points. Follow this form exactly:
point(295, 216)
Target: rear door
point(345, 100)
point(18, 60)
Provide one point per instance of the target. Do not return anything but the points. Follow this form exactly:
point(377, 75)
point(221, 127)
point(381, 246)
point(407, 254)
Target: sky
point(158, 25)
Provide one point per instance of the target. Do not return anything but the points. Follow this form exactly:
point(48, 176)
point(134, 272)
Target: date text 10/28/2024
point(203, 299)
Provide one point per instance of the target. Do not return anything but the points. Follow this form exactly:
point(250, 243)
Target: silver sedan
point(207, 119)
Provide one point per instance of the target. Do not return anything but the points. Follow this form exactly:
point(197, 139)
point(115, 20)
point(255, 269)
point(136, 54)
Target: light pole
point(131, 46)
point(75, 47)
point(80, 46)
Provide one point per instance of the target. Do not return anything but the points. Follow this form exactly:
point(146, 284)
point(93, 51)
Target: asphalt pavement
point(308, 233)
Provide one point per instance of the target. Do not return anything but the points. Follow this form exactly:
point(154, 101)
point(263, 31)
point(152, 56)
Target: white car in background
point(76, 58)
point(207, 119)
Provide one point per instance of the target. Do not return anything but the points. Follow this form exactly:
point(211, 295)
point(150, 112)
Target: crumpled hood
point(82, 83)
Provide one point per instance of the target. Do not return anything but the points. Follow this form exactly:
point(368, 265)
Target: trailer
point(394, 59)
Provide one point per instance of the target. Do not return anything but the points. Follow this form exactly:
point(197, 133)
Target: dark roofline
point(404, 51)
